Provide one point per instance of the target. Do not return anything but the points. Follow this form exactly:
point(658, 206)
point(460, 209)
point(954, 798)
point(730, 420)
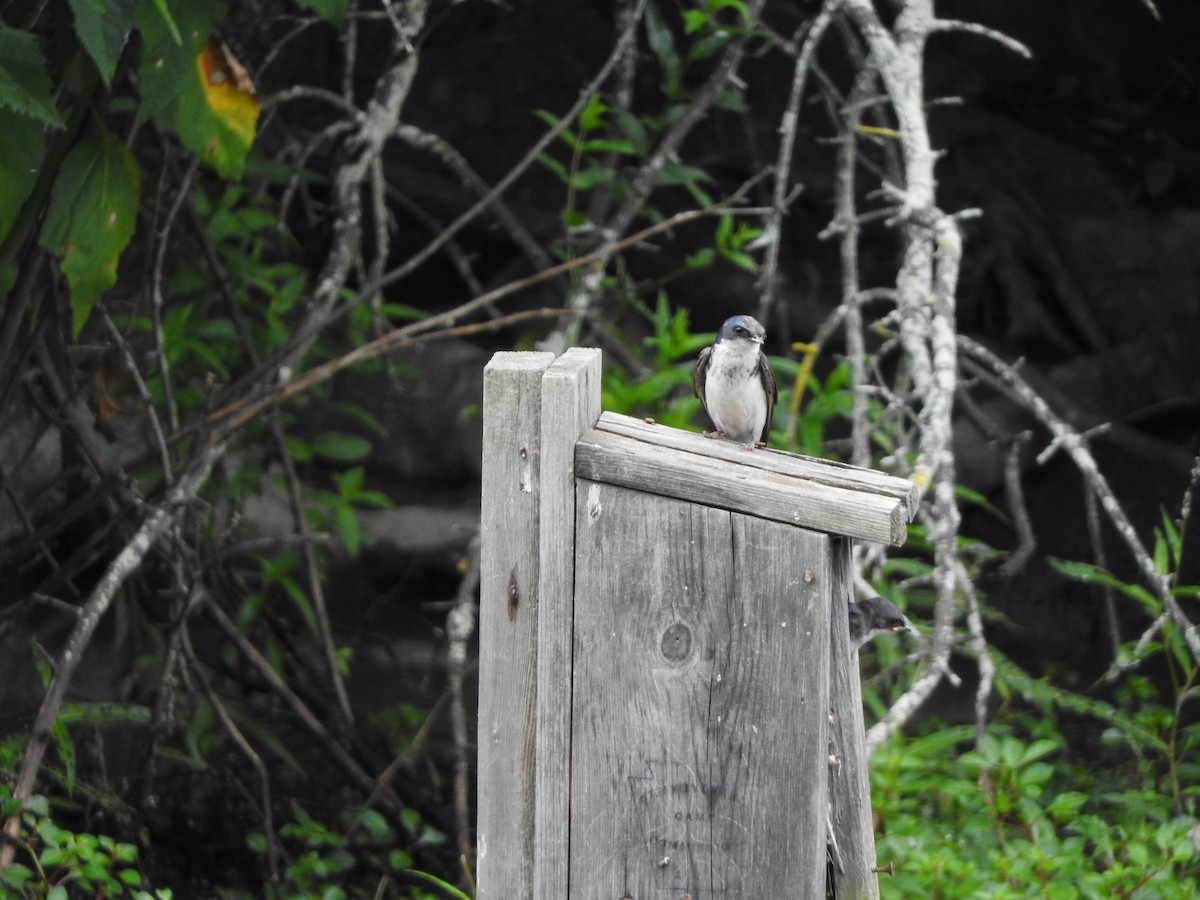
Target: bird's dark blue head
point(872, 615)
point(742, 328)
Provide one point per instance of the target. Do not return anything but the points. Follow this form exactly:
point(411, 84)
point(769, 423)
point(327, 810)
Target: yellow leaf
point(228, 90)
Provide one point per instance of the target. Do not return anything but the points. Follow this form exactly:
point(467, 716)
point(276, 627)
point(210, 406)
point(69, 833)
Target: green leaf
point(91, 217)
point(591, 116)
point(168, 20)
point(337, 447)
point(16, 875)
point(24, 84)
point(346, 522)
point(299, 450)
point(618, 145)
point(1161, 558)
point(66, 753)
point(741, 260)
point(21, 154)
point(103, 27)
point(662, 42)
point(333, 10)
point(589, 178)
point(447, 888)
point(1092, 574)
point(694, 20)
point(168, 61)
point(211, 116)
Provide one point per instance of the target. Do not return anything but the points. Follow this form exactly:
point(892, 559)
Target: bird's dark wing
point(700, 375)
point(767, 377)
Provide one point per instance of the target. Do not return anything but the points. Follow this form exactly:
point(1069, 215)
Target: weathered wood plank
point(821, 471)
point(512, 397)
point(639, 465)
point(570, 405)
point(700, 702)
point(849, 783)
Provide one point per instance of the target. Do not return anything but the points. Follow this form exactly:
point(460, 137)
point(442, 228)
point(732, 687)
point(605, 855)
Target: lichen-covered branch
point(1076, 447)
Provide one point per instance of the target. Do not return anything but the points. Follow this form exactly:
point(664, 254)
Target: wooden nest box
point(669, 704)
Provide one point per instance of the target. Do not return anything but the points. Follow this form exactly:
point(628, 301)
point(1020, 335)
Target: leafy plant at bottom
point(64, 864)
point(1015, 820)
point(362, 859)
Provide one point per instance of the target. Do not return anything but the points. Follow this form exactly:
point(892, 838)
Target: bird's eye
point(739, 329)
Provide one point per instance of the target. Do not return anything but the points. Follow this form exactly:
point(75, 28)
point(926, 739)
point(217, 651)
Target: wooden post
point(508, 614)
point(852, 831)
point(570, 404)
point(669, 705)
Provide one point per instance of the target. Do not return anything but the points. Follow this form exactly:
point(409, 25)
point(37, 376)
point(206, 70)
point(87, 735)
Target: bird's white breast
point(734, 393)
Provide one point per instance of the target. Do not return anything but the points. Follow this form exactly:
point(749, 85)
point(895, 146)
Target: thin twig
point(417, 259)
point(154, 526)
point(156, 296)
point(788, 127)
point(1067, 438)
point(236, 413)
point(267, 672)
point(248, 751)
point(983, 31)
point(460, 625)
point(471, 180)
point(1013, 491)
point(643, 183)
point(312, 574)
point(983, 656)
point(160, 439)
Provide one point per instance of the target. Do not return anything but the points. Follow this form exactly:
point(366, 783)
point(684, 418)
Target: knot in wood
point(676, 643)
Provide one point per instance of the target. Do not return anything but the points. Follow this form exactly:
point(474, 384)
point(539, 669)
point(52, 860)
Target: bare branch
point(153, 527)
point(1081, 455)
point(999, 37)
point(783, 165)
point(622, 46)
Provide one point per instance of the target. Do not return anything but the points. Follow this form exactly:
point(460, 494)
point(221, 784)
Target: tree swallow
point(735, 383)
point(872, 616)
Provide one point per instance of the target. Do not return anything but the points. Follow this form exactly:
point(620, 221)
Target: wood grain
point(849, 782)
point(822, 471)
point(741, 485)
point(512, 397)
point(570, 405)
point(700, 702)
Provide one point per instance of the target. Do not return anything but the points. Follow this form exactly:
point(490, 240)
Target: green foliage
point(730, 243)
point(666, 395)
point(103, 30)
point(359, 859)
point(337, 509)
point(333, 10)
point(828, 403)
point(91, 218)
point(56, 863)
point(604, 135)
point(86, 182)
point(24, 85)
point(1168, 747)
point(1019, 814)
point(1018, 818)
